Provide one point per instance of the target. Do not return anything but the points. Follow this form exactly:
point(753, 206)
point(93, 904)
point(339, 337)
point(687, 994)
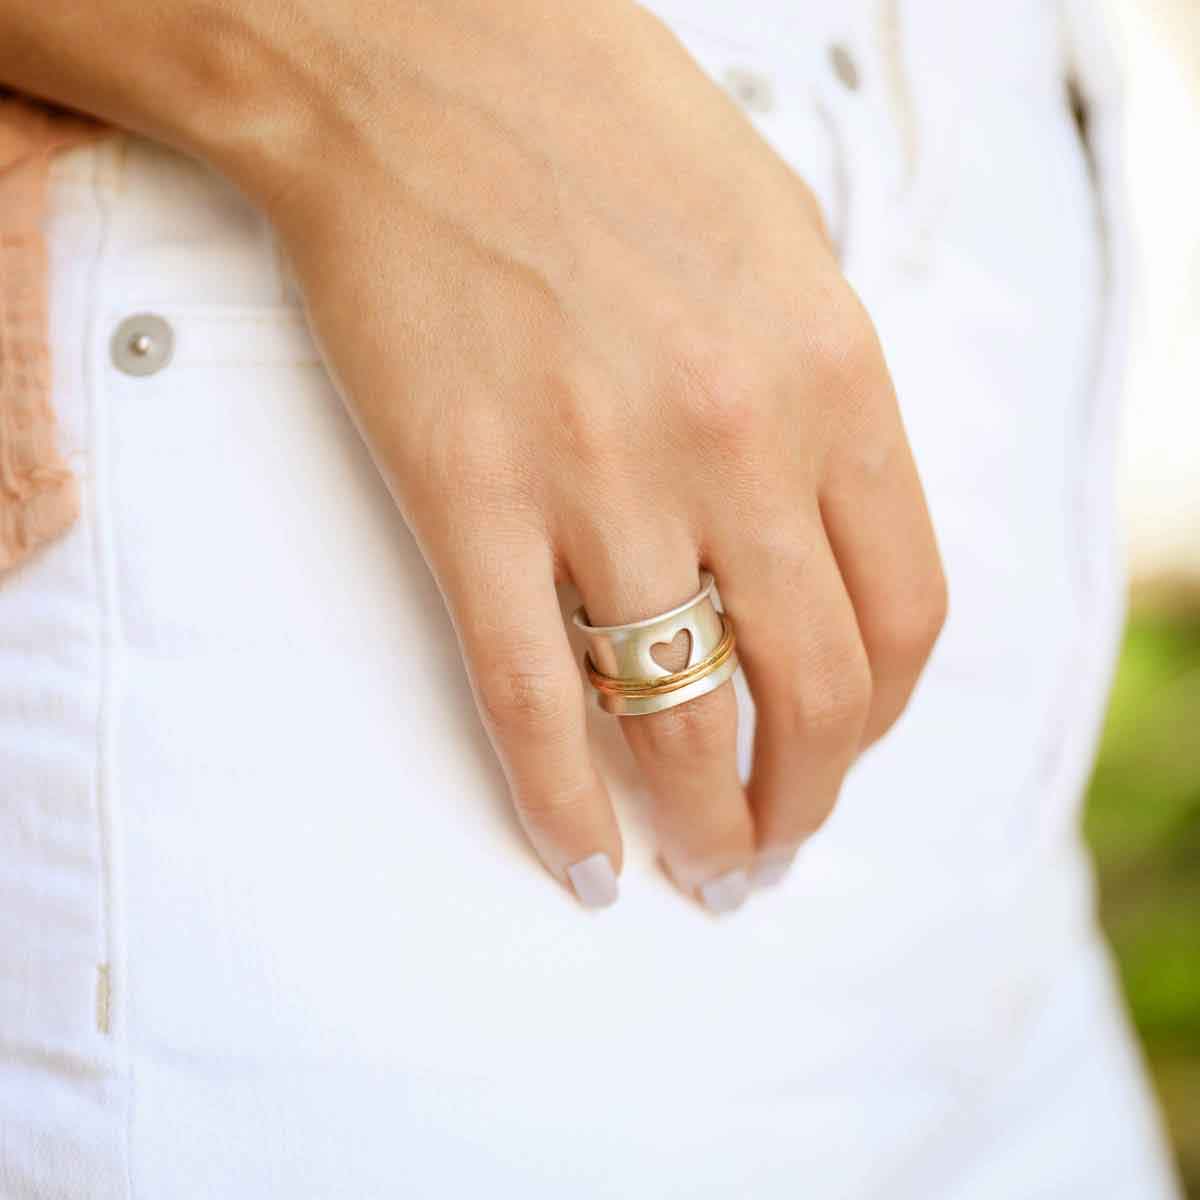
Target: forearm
point(199, 76)
point(264, 90)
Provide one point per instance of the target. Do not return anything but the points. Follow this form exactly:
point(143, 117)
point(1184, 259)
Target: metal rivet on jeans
point(843, 65)
point(751, 90)
point(142, 344)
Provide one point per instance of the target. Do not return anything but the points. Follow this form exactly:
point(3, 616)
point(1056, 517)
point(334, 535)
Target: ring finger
point(687, 753)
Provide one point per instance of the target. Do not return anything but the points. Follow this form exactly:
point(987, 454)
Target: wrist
point(215, 86)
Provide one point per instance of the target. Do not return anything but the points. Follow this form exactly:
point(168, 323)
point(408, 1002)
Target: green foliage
point(1143, 821)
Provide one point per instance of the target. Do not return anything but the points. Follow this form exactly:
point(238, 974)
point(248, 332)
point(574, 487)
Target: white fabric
point(267, 927)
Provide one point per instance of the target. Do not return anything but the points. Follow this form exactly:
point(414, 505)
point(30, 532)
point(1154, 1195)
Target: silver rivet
point(751, 90)
point(843, 65)
point(142, 345)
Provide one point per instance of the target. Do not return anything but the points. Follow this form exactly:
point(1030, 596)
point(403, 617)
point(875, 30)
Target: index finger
point(530, 698)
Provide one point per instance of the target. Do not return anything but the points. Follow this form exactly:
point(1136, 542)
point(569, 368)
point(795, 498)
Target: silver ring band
point(622, 669)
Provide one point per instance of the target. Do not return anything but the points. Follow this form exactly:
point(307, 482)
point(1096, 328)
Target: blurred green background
point(1143, 822)
point(1143, 815)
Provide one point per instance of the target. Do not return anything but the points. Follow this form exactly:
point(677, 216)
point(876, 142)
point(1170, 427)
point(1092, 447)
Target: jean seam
point(109, 160)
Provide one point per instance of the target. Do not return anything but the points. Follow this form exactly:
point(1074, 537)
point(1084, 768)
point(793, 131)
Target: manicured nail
point(594, 881)
point(726, 892)
point(772, 866)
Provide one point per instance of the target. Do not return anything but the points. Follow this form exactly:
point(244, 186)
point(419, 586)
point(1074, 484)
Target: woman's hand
point(592, 329)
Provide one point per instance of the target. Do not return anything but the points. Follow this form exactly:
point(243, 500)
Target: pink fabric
point(39, 497)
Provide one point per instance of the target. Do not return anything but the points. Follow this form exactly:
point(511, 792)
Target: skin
point(592, 328)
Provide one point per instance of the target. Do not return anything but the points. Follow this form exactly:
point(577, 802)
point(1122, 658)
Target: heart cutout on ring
point(674, 655)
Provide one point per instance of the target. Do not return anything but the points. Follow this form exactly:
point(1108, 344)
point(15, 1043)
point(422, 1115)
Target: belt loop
point(898, 83)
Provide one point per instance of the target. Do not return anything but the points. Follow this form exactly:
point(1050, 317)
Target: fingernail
point(726, 892)
point(594, 881)
point(772, 866)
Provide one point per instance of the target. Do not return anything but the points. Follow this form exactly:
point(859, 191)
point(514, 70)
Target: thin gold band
point(640, 688)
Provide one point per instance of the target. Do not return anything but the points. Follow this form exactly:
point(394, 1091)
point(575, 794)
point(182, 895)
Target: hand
point(592, 329)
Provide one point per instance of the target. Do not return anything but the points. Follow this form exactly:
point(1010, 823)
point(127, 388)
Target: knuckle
point(937, 605)
point(524, 702)
point(695, 730)
point(882, 721)
point(785, 549)
point(718, 390)
point(844, 346)
point(910, 628)
point(583, 417)
point(832, 706)
point(469, 451)
point(820, 812)
point(543, 806)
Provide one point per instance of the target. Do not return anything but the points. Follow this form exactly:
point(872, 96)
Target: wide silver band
point(627, 679)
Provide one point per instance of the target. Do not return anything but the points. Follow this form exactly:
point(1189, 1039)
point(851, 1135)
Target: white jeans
point(267, 926)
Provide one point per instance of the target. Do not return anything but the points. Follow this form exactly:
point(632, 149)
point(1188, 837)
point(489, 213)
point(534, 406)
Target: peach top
point(39, 497)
